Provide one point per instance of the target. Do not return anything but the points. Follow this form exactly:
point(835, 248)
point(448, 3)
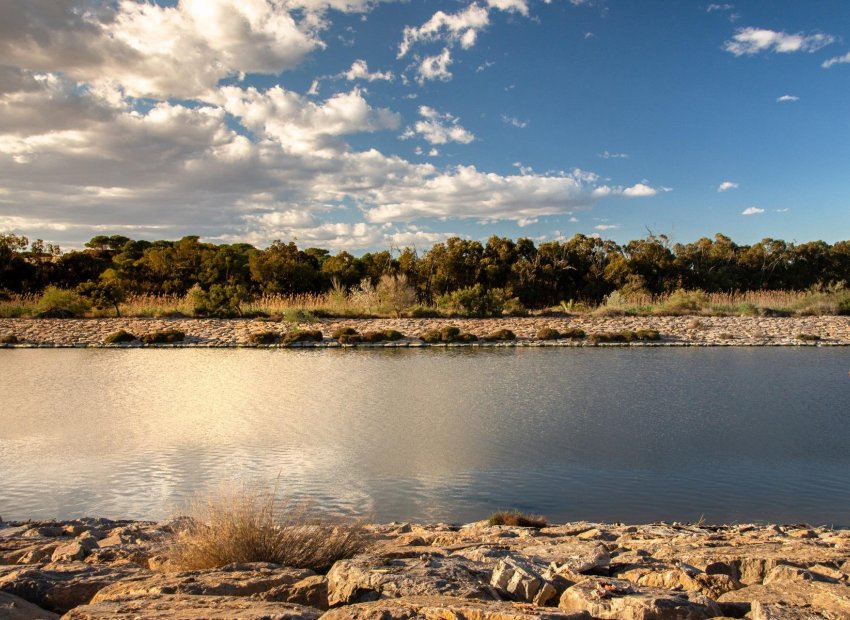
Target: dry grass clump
point(166, 336)
point(241, 525)
point(9, 339)
point(267, 337)
point(120, 336)
point(516, 518)
point(304, 335)
point(808, 337)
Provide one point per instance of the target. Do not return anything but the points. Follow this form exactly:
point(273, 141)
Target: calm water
point(603, 434)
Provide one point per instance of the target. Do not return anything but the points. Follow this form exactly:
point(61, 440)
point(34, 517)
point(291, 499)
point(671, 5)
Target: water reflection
point(629, 435)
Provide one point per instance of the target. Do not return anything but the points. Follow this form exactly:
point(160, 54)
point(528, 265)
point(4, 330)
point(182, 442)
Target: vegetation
point(447, 334)
point(268, 337)
point(119, 337)
point(302, 335)
point(547, 333)
point(808, 337)
point(166, 336)
point(459, 277)
point(517, 519)
point(500, 334)
point(246, 525)
point(624, 336)
point(9, 339)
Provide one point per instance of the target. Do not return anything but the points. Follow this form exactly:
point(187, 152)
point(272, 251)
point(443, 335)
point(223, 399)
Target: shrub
point(299, 315)
point(683, 302)
point(466, 337)
point(343, 331)
point(573, 333)
point(56, 303)
point(103, 294)
point(243, 525)
point(349, 338)
point(9, 339)
point(647, 334)
point(119, 336)
point(219, 301)
point(432, 337)
point(449, 333)
point(547, 333)
point(808, 337)
point(474, 301)
point(500, 334)
point(514, 307)
point(166, 336)
point(516, 518)
point(268, 337)
point(422, 312)
point(626, 335)
point(395, 293)
point(844, 306)
point(373, 337)
point(305, 335)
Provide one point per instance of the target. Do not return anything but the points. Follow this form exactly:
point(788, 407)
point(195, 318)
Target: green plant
point(343, 331)
point(449, 333)
point(221, 301)
point(393, 335)
point(119, 336)
point(373, 337)
point(61, 304)
point(267, 337)
point(166, 336)
point(475, 301)
point(514, 307)
point(246, 525)
point(349, 338)
point(500, 334)
point(305, 335)
point(547, 333)
point(516, 519)
point(299, 315)
point(103, 294)
point(395, 293)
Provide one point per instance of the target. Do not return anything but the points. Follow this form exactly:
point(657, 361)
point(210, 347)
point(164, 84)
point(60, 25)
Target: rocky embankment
point(96, 569)
point(675, 331)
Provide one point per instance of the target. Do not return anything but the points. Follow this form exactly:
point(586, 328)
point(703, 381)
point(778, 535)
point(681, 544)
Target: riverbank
point(674, 331)
point(97, 569)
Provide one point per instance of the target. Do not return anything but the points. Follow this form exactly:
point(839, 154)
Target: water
point(630, 435)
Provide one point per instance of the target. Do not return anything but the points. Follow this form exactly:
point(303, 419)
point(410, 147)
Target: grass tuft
point(166, 336)
point(119, 336)
point(517, 519)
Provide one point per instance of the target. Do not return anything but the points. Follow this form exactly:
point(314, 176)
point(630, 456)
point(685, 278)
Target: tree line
point(581, 268)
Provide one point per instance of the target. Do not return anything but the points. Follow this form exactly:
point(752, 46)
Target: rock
point(520, 580)
point(833, 598)
point(74, 551)
point(489, 555)
point(15, 608)
point(310, 591)
point(783, 574)
point(447, 608)
point(232, 580)
point(617, 598)
point(60, 587)
point(189, 607)
point(773, 611)
point(678, 578)
point(368, 578)
point(577, 557)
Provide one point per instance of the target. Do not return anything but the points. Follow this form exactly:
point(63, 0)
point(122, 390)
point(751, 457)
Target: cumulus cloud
point(438, 128)
point(360, 71)
point(726, 186)
point(435, 67)
point(837, 60)
point(750, 41)
point(461, 27)
point(752, 211)
point(785, 98)
point(639, 190)
point(511, 6)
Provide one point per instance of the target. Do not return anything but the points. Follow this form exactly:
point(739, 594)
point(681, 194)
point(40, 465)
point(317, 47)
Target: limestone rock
point(617, 598)
point(773, 611)
point(813, 595)
point(577, 557)
point(680, 578)
point(60, 587)
point(522, 581)
point(447, 608)
point(189, 607)
point(15, 608)
point(74, 551)
point(310, 591)
point(368, 578)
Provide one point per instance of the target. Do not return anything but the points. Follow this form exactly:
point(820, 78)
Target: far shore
point(236, 333)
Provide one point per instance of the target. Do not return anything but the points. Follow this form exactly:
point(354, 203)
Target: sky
point(375, 124)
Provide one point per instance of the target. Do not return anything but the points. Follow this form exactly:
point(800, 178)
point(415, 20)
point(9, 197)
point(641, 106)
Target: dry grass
point(517, 519)
point(239, 525)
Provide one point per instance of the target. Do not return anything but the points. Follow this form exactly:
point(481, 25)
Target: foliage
point(573, 333)
point(166, 336)
point(500, 334)
point(223, 301)
point(627, 335)
point(343, 331)
point(395, 294)
point(104, 293)
point(516, 519)
point(119, 336)
point(547, 333)
point(303, 335)
point(473, 301)
point(58, 303)
point(447, 334)
point(514, 307)
point(247, 525)
point(267, 337)
point(808, 337)
point(9, 339)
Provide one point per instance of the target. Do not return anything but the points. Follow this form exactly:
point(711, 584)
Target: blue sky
point(363, 125)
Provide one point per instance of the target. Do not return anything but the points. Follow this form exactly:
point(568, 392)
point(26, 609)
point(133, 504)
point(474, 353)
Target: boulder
point(310, 591)
point(522, 581)
point(368, 578)
point(773, 611)
point(447, 608)
point(189, 607)
point(832, 598)
point(617, 598)
point(681, 577)
point(60, 587)
point(575, 557)
point(15, 608)
point(75, 550)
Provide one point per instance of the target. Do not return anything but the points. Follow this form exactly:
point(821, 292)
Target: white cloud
point(513, 120)
point(752, 211)
point(435, 67)
point(606, 226)
point(609, 155)
point(719, 7)
point(837, 60)
point(785, 98)
point(438, 128)
point(726, 186)
point(639, 190)
point(360, 71)
point(461, 27)
point(750, 41)
point(512, 6)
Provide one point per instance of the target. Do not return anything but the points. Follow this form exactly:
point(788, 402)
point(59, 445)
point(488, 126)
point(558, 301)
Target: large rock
point(310, 591)
point(620, 599)
point(773, 611)
point(522, 581)
point(680, 577)
point(60, 587)
point(368, 578)
point(15, 608)
point(75, 550)
point(188, 607)
point(447, 608)
point(574, 556)
point(232, 580)
point(833, 598)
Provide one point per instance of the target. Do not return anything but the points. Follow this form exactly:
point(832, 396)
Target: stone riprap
point(675, 331)
point(439, 571)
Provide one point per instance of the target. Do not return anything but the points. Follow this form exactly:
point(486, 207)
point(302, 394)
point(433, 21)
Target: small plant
point(9, 339)
point(393, 335)
point(450, 333)
point(268, 337)
point(350, 338)
point(516, 519)
point(647, 334)
point(119, 336)
point(56, 303)
point(373, 337)
point(500, 335)
point(473, 301)
point(514, 307)
point(573, 333)
point(299, 315)
point(422, 312)
point(166, 336)
point(305, 335)
point(547, 333)
point(343, 331)
point(808, 337)
point(726, 336)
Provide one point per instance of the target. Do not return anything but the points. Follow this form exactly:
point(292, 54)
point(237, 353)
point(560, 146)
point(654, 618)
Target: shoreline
point(93, 568)
point(235, 333)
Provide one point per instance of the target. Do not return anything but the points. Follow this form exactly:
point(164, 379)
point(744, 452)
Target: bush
point(305, 335)
point(56, 303)
point(573, 333)
point(119, 336)
point(395, 293)
point(683, 302)
point(393, 335)
point(450, 333)
point(242, 526)
point(475, 301)
point(514, 307)
point(808, 337)
point(626, 335)
point(373, 337)
point(422, 312)
point(167, 336)
point(647, 334)
point(500, 334)
point(844, 307)
point(432, 337)
point(299, 316)
point(517, 519)
point(547, 333)
point(343, 331)
point(9, 339)
point(268, 337)
point(349, 338)
point(219, 301)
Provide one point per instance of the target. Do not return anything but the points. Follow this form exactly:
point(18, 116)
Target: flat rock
point(575, 556)
point(310, 591)
point(15, 608)
point(806, 595)
point(773, 611)
point(620, 599)
point(448, 608)
point(368, 578)
point(189, 607)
